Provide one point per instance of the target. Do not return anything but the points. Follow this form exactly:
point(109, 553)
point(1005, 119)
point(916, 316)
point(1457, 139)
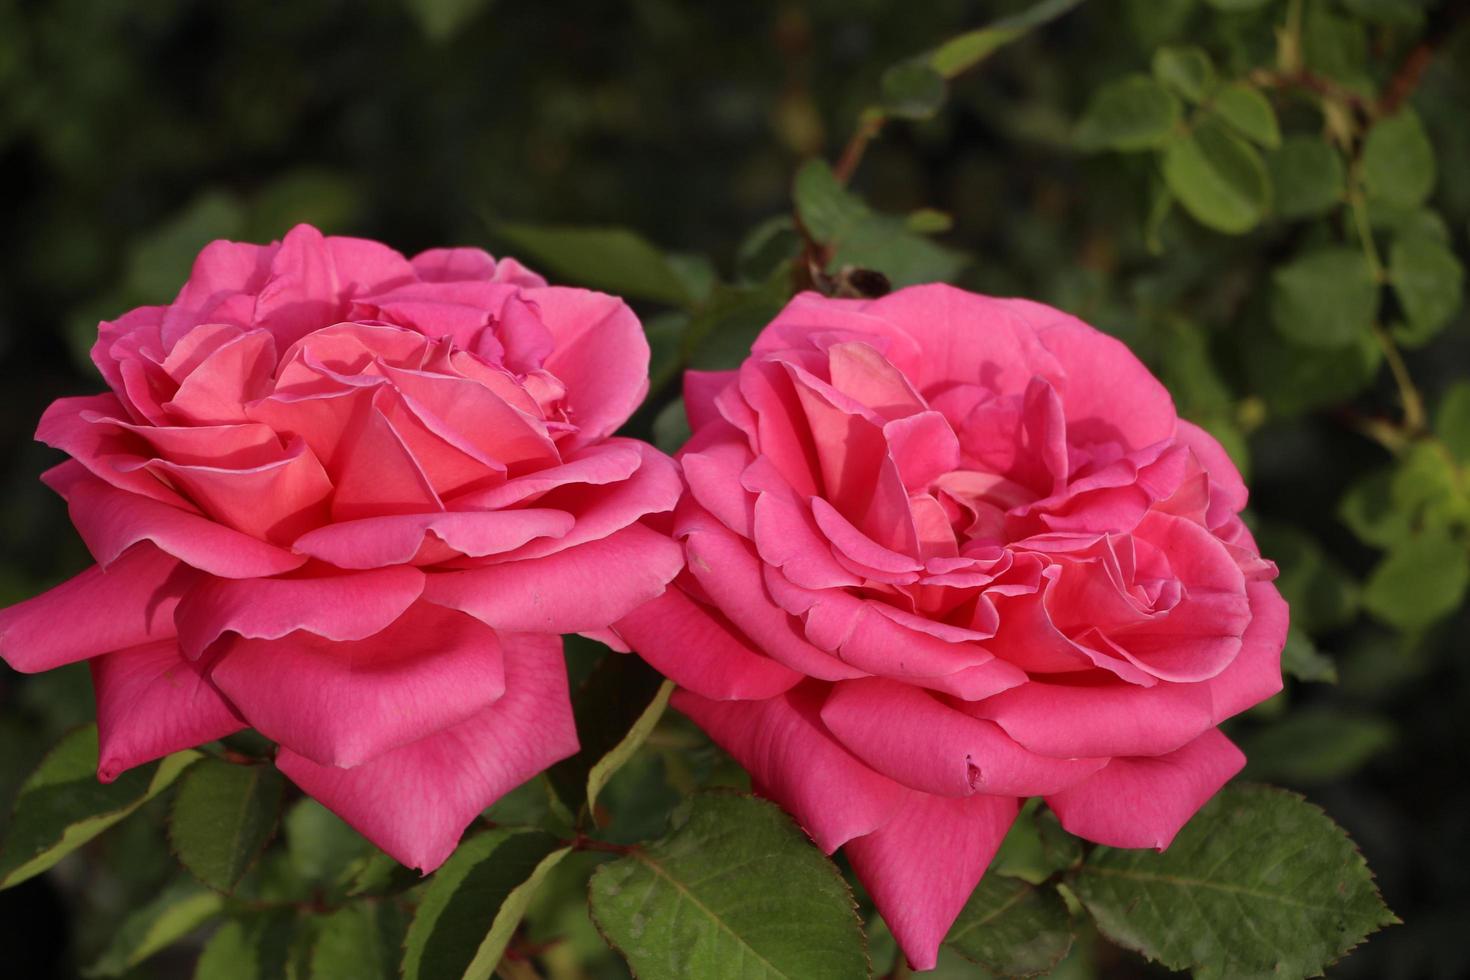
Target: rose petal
point(415, 801)
point(601, 356)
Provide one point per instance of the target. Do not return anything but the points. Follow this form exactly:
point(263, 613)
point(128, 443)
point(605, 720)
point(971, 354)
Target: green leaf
point(1429, 282)
point(1218, 178)
point(1335, 46)
point(1035, 847)
point(61, 805)
point(170, 916)
point(1406, 12)
point(1319, 591)
point(617, 260)
point(928, 221)
point(1369, 509)
point(1325, 298)
point(252, 947)
point(1311, 746)
point(1452, 421)
point(827, 209)
point(1186, 70)
point(161, 260)
point(1301, 659)
point(719, 336)
point(1398, 160)
point(735, 891)
point(1308, 177)
point(1294, 379)
point(1012, 928)
point(222, 817)
point(912, 90)
point(671, 427)
point(321, 847)
point(1238, 5)
point(966, 50)
point(490, 880)
point(1259, 883)
point(615, 708)
point(1132, 113)
point(1422, 580)
point(1249, 113)
point(361, 941)
point(442, 19)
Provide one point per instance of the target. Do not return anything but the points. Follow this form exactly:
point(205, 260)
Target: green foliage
point(1398, 161)
point(1219, 178)
point(253, 946)
point(736, 890)
point(61, 805)
point(361, 940)
point(1429, 282)
point(1013, 928)
point(1421, 580)
point(1260, 882)
point(177, 911)
point(223, 815)
point(474, 902)
point(616, 260)
point(1308, 176)
point(1133, 113)
point(1325, 298)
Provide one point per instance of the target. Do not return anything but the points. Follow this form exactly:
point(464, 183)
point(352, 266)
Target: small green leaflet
point(735, 891)
point(1325, 298)
point(254, 946)
point(177, 911)
point(360, 941)
point(61, 806)
point(1219, 178)
point(1133, 113)
point(222, 818)
point(615, 259)
point(1259, 883)
point(1012, 928)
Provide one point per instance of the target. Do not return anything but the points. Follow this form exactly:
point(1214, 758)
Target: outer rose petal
point(582, 588)
point(111, 521)
point(395, 539)
point(335, 607)
point(782, 742)
point(345, 703)
point(150, 702)
point(1142, 802)
point(699, 651)
point(910, 736)
point(1256, 673)
point(415, 801)
point(101, 610)
point(921, 866)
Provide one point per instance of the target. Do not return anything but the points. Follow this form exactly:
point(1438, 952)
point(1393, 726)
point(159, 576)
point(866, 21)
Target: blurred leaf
point(665, 333)
point(360, 941)
point(617, 260)
point(1321, 594)
point(1429, 282)
point(696, 272)
point(1452, 421)
point(1218, 178)
point(827, 210)
point(254, 946)
point(912, 90)
point(736, 888)
point(1308, 177)
point(1259, 883)
point(1249, 112)
point(222, 818)
point(1325, 298)
point(1312, 746)
point(882, 243)
point(1301, 659)
point(1035, 847)
point(671, 427)
point(329, 201)
point(442, 19)
point(1409, 222)
point(720, 334)
point(1132, 113)
point(1422, 580)
point(1295, 379)
point(487, 882)
point(1406, 12)
point(61, 805)
point(1238, 5)
point(928, 221)
point(1368, 508)
point(963, 52)
point(1012, 928)
point(322, 848)
point(1398, 160)
point(615, 708)
point(1186, 70)
point(769, 248)
point(177, 911)
point(160, 261)
point(1334, 45)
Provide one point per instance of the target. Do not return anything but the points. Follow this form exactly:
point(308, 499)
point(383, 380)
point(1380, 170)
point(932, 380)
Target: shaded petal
point(101, 610)
point(335, 607)
point(698, 649)
point(110, 521)
point(415, 801)
point(583, 588)
point(1142, 802)
point(1255, 674)
point(343, 703)
point(790, 755)
point(910, 736)
point(151, 701)
point(921, 866)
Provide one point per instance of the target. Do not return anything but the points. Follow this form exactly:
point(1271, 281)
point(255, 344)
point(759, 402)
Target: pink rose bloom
point(349, 500)
point(946, 552)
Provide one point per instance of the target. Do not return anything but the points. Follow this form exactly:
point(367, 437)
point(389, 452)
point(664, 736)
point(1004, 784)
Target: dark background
point(131, 134)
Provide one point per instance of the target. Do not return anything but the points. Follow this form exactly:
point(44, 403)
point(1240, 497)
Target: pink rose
point(946, 552)
point(349, 499)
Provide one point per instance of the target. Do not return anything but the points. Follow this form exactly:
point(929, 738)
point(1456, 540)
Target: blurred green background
point(132, 134)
